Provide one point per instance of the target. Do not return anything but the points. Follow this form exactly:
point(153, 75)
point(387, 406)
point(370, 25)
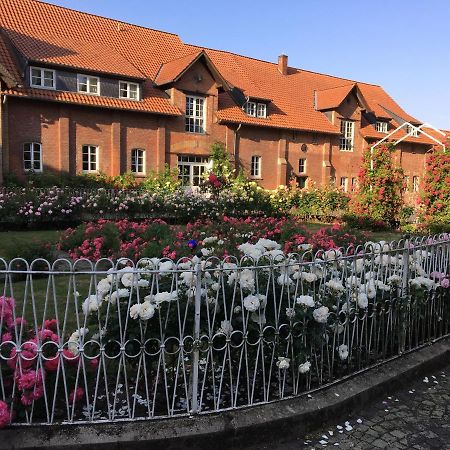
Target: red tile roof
point(58, 35)
point(172, 70)
point(73, 52)
point(332, 98)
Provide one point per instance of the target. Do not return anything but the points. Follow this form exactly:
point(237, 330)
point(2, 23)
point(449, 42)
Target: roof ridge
point(109, 19)
point(337, 87)
point(274, 64)
point(180, 57)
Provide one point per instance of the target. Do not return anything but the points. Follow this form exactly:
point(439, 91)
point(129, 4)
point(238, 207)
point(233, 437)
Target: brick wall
point(63, 129)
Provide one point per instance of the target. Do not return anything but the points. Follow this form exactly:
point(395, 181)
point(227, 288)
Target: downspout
point(3, 124)
point(236, 131)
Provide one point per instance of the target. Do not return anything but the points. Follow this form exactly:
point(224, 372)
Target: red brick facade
point(62, 122)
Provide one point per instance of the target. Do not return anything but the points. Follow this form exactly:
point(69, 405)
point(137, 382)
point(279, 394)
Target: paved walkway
point(416, 417)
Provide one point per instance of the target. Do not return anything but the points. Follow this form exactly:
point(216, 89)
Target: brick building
point(82, 93)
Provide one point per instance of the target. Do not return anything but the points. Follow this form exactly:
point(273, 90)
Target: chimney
point(283, 64)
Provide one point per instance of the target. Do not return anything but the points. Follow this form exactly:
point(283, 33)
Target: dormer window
point(412, 131)
point(129, 90)
point(254, 109)
point(42, 78)
point(381, 127)
point(88, 84)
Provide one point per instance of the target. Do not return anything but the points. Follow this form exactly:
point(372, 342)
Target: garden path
point(416, 417)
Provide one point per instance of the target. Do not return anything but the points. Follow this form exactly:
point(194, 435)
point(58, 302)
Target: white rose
point(251, 303)
point(305, 367)
point(321, 314)
point(147, 311)
point(283, 363)
point(363, 300)
point(343, 352)
point(135, 311)
point(305, 300)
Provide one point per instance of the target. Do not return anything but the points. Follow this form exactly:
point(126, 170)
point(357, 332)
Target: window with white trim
point(415, 183)
point(32, 157)
point(254, 109)
point(412, 131)
point(354, 183)
point(250, 109)
point(344, 184)
point(261, 110)
point(192, 169)
point(138, 161)
point(129, 90)
point(255, 166)
point(302, 165)
point(90, 159)
point(42, 78)
point(348, 132)
point(88, 84)
point(195, 114)
point(381, 127)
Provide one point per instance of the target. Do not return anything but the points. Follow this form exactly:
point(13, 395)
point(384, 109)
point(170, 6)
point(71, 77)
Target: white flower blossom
point(147, 311)
point(363, 301)
point(251, 303)
point(306, 300)
point(343, 352)
point(321, 314)
point(283, 363)
point(305, 367)
point(226, 327)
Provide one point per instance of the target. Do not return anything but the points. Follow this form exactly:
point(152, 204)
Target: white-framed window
point(255, 166)
point(302, 165)
point(354, 183)
point(413, 131)
point(195, 114)
point(254, 109)
point(192, 169)
point(261, 110)
point(90, 158)
point(250, 109)
point(88, 84)
point(406, 183)
point(138, 161)
point(348, 133)
point(415, 183)
point(333, 181)
point(381, 127)
point(42, 78)
point(128, 90)
point(32, 157)
point(344, 184)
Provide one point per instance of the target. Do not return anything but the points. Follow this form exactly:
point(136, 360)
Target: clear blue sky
point(403, 45)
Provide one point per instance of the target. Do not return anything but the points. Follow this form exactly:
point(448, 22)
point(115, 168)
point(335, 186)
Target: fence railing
point(107, 341)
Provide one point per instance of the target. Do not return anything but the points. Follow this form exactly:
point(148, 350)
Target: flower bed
point(260, 327)
point(156, 238)
point(60, 206)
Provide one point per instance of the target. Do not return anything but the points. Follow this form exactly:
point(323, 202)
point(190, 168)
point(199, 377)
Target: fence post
point(196, 346)
point(405, 304)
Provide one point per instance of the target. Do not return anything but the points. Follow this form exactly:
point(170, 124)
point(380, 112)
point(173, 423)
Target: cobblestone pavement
point(415, 417)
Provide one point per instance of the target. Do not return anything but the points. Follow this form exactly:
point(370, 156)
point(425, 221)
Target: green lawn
point(11, 241)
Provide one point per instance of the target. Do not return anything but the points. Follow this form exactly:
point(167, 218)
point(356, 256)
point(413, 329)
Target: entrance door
point(192, 169)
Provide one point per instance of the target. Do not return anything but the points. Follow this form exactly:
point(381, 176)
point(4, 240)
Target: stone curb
point(241, 427)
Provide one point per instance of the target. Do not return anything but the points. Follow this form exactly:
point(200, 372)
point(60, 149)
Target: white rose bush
point(205, 333)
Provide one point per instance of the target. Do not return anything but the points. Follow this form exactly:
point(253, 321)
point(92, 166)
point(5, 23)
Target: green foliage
point(222, 166)
point(379, 196)
point(162, 183)
point(436, 191)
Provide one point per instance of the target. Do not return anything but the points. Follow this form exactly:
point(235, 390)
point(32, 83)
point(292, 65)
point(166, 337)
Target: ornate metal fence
point(85, 342)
